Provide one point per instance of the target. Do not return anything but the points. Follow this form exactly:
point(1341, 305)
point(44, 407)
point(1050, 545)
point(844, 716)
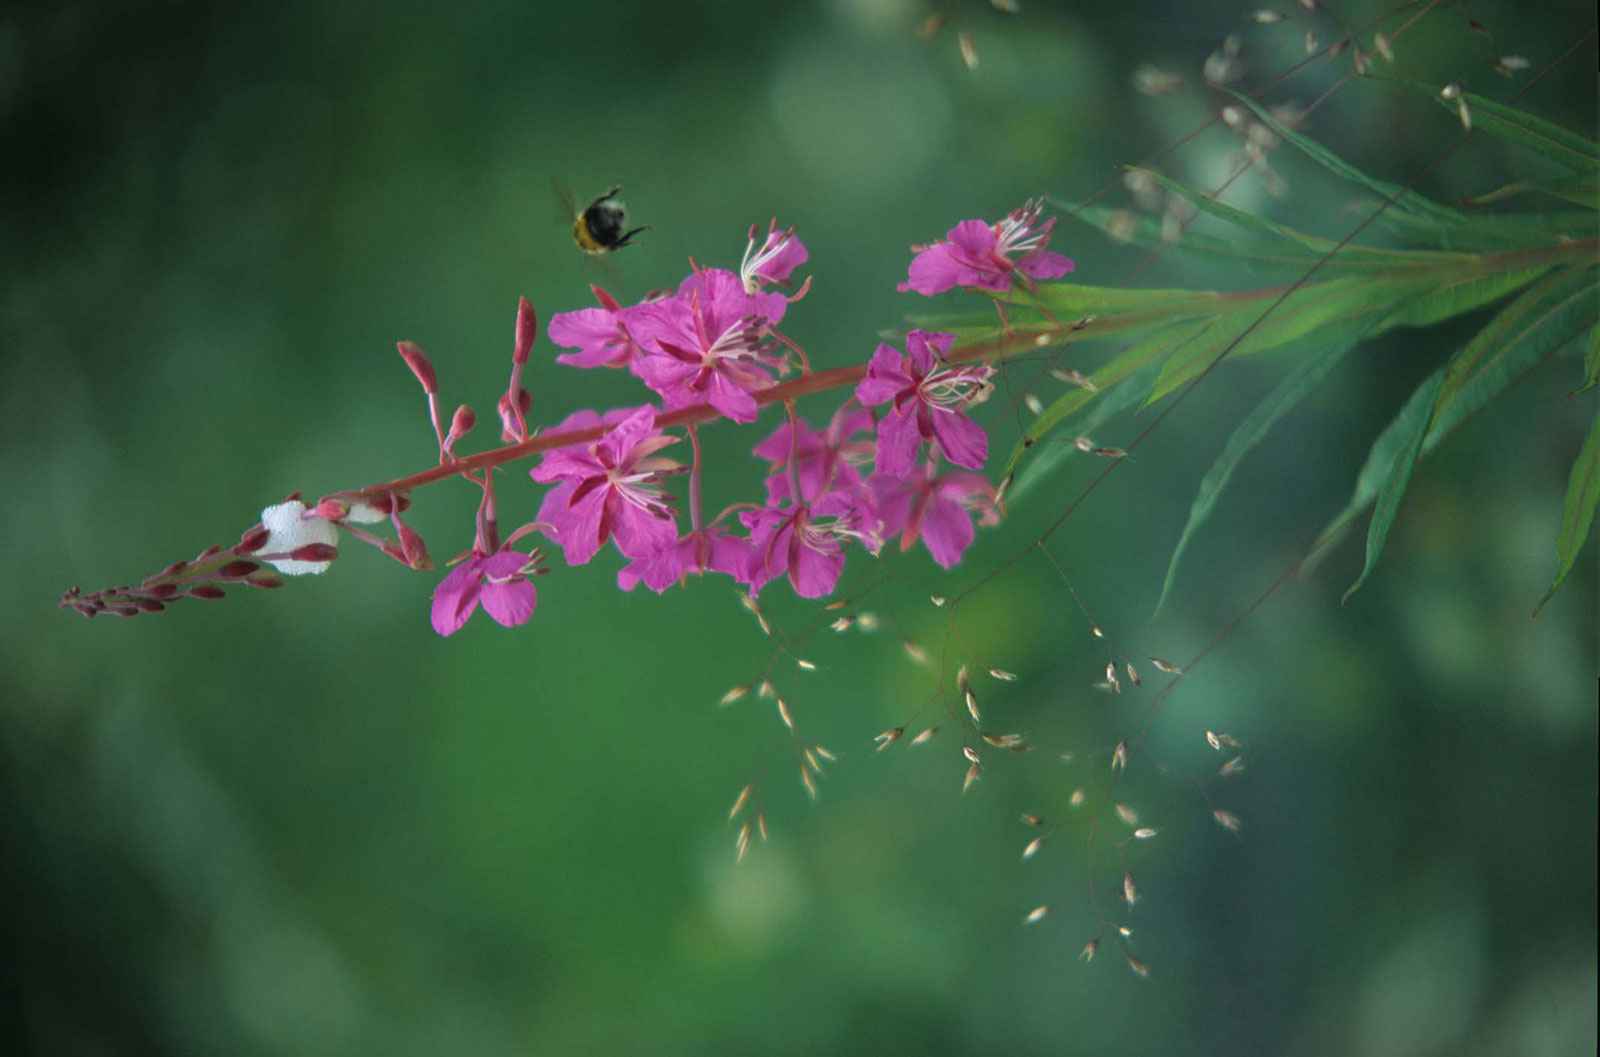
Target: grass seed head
point(1032, 849)
point(1127, 814)
point(1036, 915)
point(925, 737)
point(888, 737)
point(972, 776)
point(1227, 820)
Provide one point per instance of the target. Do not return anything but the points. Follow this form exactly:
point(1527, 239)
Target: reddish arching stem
point(815, 382)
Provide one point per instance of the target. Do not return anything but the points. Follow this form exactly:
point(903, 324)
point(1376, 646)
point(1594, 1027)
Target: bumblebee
point(598, 229)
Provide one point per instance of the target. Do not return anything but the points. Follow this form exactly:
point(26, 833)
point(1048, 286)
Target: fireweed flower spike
point(935, 508)
point(929, 400)
point(611, 488)
point(779, 255)
point(710, 344)
point(500, 581)
point(978, 254)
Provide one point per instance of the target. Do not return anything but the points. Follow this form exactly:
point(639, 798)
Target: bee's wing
point(569, 204)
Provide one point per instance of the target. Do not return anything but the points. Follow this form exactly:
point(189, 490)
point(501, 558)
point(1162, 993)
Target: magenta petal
point(973, 240)
point(962, 440)
point(510, 603)
point(898, 439)
point(814, 572)
point(640, 534)
point(935, 270)
point(578, 527)
point(628, 433)
point(947, 530)
point(456, 597)
point(733, 401)
point(924, 347)
point(1045, 265)
point(595, 332)
point(570, 463)
point(886, 377)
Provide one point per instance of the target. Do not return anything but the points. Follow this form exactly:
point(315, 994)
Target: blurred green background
point(300, 823)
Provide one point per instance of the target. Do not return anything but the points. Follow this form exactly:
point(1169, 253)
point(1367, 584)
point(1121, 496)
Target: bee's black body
point(599, 228)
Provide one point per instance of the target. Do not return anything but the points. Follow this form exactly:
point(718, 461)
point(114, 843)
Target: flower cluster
point(710, 349)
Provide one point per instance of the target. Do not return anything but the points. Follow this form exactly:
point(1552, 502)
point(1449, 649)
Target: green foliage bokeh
point(298, 822)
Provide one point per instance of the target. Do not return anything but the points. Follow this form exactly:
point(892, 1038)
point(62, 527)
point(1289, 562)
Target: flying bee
point(599, 228)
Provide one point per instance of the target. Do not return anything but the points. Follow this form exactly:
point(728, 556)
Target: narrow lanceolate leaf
point(1101, 409)
point(1568, 307)
point(1268, 325)
point(1461, 293)
point(1407, 201)
point(1410, 430)
point(1500, 231)
point(1577, 513)
point(1148, 351)
point(1579, 188)
point(1547, 313)
point(1535, 133)
point(1302, 380)
point(1591, 361)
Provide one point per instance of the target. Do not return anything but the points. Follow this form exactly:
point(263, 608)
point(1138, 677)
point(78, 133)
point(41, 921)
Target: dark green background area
point(300, 823)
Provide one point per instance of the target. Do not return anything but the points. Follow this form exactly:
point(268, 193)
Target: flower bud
point(527, 331)
point(415, 551)
point(420, 366)
point(252, 541)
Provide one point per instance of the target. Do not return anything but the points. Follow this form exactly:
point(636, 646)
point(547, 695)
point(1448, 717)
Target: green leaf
point(1289, 254)
point(1306, 376)
point(1500, 231)
point(1579, 188)
point(1113, 371)
point(1246, 331)
point(1408, 431)
point(1523, 346)
point(1519, 126)
point(1409, 201)
point(1547, 314)
point(1577, 513)
point(1454, 296)
point(1591, 362)
point(1111, 402)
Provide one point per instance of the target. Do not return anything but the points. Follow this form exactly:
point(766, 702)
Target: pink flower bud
point(161, 590)
point(207, 591)
point(331, 509)
point(149, 605)
point(462, 421)
point(414, 550)
point(237, 570)
point(264, 578)
point(527, 330)
point(420, 366)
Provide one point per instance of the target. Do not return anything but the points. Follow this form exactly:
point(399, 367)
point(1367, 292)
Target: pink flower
point(805, 540)
point(778, 256)
point(824, 459)
point(978, 254)
point(929, 402)
point(611, 487)
point(935, 508)
point(709, 550)
point(600, 334)
point(709, 345)
point(500, 581)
